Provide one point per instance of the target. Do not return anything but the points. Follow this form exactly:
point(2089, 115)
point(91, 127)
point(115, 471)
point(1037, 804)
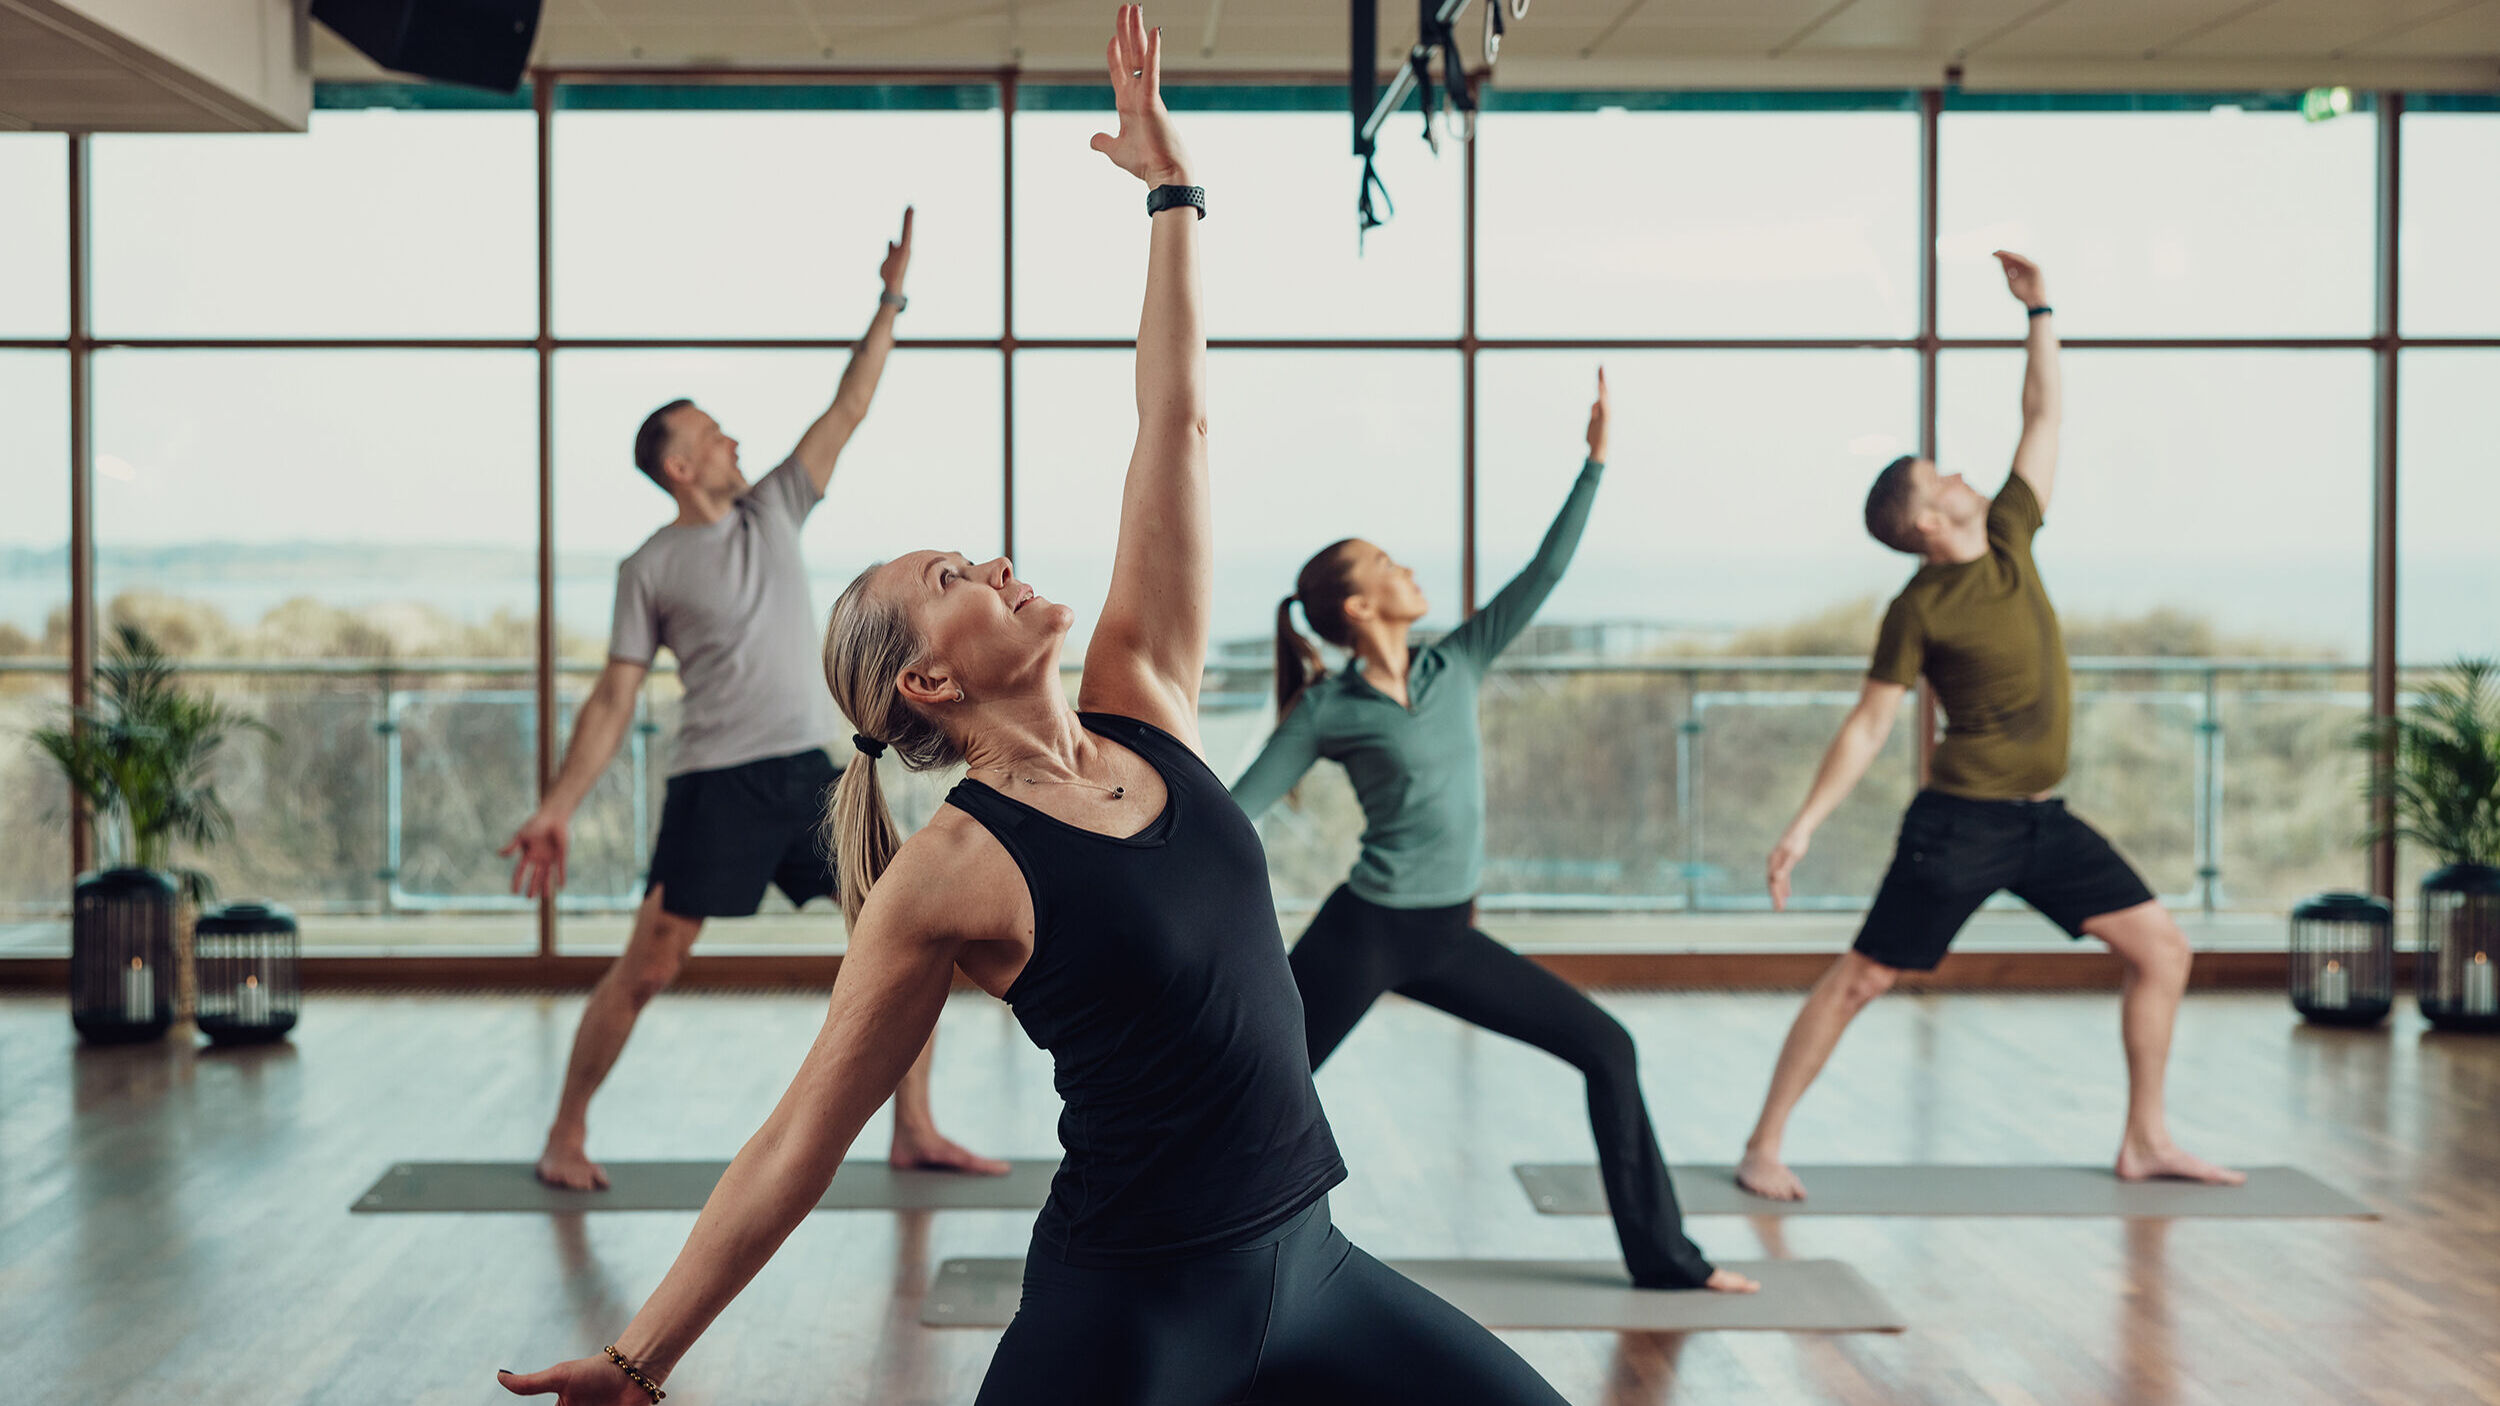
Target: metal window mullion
point(2383, 534)
point(542, 106)
point(82, 615)
point(1007, 314)
point(1468, 403)
point(1930, 171)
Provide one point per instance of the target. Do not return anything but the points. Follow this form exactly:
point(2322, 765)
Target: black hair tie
point(869, 747)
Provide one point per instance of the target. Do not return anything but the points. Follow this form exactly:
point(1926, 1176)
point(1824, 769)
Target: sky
point(2235, 483)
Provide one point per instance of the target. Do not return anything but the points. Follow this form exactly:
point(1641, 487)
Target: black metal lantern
point(2343, 959)
point(2459, 964)
point(250, 983)
point(124, 977)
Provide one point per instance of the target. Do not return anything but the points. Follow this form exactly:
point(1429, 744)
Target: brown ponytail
point(868, 645)
point(1298, 664)
point(1321, 589)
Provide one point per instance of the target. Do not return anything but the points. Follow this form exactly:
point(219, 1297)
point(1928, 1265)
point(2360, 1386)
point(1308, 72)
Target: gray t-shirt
point(730, 600)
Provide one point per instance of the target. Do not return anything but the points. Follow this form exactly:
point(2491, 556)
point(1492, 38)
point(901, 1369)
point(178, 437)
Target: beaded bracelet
point(625, 1364)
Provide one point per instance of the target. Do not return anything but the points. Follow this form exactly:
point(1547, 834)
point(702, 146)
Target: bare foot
point(1728, 1281)
point(930, 1152)
point(1765, 1175)
point(2138, 1162)
point(571, 1168)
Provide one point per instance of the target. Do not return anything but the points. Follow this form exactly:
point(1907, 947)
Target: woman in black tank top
point(1092, 872)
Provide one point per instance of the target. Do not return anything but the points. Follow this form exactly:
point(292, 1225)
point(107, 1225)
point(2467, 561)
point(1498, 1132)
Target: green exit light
point(2319, 104)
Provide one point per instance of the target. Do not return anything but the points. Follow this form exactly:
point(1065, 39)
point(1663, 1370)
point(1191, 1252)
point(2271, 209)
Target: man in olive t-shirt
point(1976, 621)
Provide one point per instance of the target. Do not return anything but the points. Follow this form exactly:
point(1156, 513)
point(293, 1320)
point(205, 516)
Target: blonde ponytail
point(868, 645)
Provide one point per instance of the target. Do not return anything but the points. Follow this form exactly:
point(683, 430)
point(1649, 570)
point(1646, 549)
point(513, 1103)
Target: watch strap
point(1163, 198)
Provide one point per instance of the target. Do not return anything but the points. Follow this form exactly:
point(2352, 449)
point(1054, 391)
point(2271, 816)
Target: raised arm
point(824, 441)
point(886, 1000)
point(1151, 644)
point(1489, 631)
point(2035, 454)
point(1853, 749)
point(539, 847)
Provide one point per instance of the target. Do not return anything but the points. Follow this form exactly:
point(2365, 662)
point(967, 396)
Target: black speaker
point(480, 43)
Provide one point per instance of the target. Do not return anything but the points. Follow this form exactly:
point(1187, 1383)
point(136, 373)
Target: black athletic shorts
point(1955, 853)
point(725, 834)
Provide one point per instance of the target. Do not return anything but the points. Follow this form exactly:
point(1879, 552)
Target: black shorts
point(1955, 853)
point(725, 834)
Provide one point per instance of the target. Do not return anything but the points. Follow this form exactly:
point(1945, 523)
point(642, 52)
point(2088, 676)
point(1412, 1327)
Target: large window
point(34, 239)
point(710, 223)
point(34, 644)
point(372, 224)
point(2217, 223)
point(2451, 285)
point(1282, 232)
point(1699, 224)
point(320, 390)
point(342, 542)
point(2206, 502)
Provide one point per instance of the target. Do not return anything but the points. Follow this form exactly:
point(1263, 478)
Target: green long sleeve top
point(1418, 770)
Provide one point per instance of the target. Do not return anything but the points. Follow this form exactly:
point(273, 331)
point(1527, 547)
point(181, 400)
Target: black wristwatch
point(896, 301)
point(2041, 311)
point(1163, 198)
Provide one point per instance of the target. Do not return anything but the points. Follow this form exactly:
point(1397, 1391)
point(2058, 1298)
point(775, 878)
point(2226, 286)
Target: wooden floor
point(173, 1225)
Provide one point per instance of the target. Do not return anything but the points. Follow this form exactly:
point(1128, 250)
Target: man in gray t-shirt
point(724, 588)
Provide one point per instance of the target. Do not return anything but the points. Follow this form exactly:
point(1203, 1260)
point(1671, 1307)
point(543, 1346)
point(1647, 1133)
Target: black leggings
point(1300, 1319)
point(1356, 949)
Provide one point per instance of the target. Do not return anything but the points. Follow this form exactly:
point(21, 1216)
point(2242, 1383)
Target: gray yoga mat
point(1572, 1189)
point(1797, 1296)
point(683, 1186)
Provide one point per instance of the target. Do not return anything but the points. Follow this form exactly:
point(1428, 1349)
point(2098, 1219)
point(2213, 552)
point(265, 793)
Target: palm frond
point(2437, 765)
point(143, 755)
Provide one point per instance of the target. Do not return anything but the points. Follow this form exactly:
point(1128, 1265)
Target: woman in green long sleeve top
point(1402, 722)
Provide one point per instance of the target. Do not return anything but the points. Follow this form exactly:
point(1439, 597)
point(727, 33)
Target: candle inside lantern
point(138, 993)
point(2480, 997)
point(2334, 990)
point(251, 1002)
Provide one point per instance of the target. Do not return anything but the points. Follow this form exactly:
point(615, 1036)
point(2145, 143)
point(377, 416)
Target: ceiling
point(1999, 44)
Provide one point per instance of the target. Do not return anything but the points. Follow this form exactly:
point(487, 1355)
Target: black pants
point(1356, 949)
point(1300, 1319)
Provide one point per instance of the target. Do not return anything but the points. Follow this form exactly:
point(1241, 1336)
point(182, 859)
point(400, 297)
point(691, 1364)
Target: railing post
point(1688, 798)
point(386, 727)
point(2209, 793)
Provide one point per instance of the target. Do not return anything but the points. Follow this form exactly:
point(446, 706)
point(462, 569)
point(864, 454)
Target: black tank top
point(1158, 983)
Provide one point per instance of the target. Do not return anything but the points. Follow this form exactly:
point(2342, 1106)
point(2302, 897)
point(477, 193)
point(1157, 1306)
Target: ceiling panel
point(1741, 43)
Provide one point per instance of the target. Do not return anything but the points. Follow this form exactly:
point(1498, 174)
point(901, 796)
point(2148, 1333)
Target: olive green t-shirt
point(1986, 636)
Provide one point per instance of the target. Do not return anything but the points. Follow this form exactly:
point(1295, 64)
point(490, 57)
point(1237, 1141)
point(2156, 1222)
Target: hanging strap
point(1371, 219)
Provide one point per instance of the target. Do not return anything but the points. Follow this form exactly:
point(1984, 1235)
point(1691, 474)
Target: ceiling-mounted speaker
point(480, 43)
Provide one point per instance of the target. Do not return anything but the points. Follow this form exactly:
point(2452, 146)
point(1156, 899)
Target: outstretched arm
point(543, 840)
point(1151, 644)
point(1291, 751)
point(1489, 631)
point(1853, 749)
point(824, 441)
point(886, 1000)
point(2035, 454)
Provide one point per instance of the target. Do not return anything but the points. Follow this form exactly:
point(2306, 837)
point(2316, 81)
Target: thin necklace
point(1114, 792)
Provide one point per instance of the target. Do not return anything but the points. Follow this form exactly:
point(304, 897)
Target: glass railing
point(1647, 786)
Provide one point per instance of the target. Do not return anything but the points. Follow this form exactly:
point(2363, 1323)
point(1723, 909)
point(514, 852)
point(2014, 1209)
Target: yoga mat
point(1797, 1296)
point(1572, 1189)
point(683, 1186)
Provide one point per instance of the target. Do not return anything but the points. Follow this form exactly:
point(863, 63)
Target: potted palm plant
point(140, 757)
point(2440, 775)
